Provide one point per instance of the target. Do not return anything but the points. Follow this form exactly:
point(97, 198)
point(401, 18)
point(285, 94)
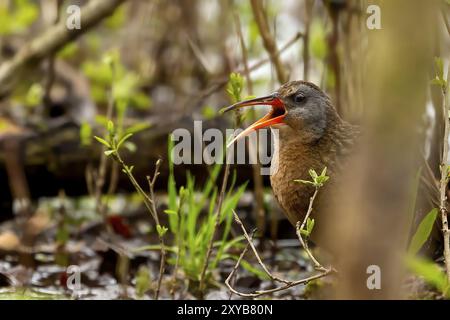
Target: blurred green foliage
point(317, 40)
point(18, 17)
point(425, 268)
point(111, 73)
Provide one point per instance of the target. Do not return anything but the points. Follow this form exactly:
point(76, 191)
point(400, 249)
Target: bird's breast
point(292, 162)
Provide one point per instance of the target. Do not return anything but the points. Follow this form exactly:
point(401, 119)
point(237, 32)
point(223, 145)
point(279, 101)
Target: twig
point(261, 263)
point(443, 184)
point(287, 283)
point(151, 184)
point(100, 174)
point(238, 262)
point(150, 204)
point(222, 80)
point(299, 227)
point(178, 237)
point(52, 40)
point(268, 41)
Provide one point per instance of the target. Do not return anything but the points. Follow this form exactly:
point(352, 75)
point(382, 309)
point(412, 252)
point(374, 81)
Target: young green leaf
point(161, 230)
point(168, 211)
point(124, 138)
point(102, 141)
point(423, 232)
point(431, 273)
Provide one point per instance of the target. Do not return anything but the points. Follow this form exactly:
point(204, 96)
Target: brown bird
point(311, 136)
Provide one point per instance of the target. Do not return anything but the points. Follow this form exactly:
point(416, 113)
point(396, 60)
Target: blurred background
point(153, 66)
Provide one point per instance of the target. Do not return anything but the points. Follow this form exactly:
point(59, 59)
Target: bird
point(311, 135)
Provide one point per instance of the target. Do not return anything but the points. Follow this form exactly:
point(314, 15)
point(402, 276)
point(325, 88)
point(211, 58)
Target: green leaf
point(208, 112)
point(317, 40)
point(102, 141)
point(235, 86)
point(110, 127)
point(313, 173)
point(130, 146)
point(124, 138)
point(143, 281)
point(304, 181)
point(438, 82)
point(85, 134)
point(141, 126)
point(34, 95)
point(109, 152)
point(423, 232)
point(439, 68)
point(161, 230)
point(431, 273)
point(256, 271)
point(310, 225)
point(168, 211)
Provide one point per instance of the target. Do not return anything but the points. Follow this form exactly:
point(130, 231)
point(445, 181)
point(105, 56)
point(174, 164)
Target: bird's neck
point(292, 146)
point(310, 138)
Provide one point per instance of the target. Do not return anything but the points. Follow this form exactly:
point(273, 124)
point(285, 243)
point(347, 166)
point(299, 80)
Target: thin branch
point(222, 80)
point(443, 184)
point(162, 263)
point(178, 252)
point(252, 246)
point(299, 227)
point(287, 283)
point(268, 41)
point(150, 204)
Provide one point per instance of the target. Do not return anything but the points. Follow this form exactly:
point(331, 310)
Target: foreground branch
point(443, 186)
point(287, 283)
point(299, 227)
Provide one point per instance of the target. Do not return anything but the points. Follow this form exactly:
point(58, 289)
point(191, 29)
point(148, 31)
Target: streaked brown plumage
point(311, 136)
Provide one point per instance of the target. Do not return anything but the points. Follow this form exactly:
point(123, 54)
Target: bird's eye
point(299, 98)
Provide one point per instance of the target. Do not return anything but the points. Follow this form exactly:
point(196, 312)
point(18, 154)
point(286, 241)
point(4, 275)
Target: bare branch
point(268, 40)
point(287, 283)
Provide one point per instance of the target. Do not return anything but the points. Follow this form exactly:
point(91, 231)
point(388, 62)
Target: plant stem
point(286, 283)
point(299, 227)
point(256, 167)
point(216, 225)
point(149, 202)
point(178, 237)
point(223, 190)
point(268, 41)
point(443, 186)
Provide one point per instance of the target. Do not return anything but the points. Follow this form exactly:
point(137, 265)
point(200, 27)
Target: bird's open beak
point(275, 116)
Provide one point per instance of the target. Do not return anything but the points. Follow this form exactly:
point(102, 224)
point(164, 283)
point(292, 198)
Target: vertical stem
point(443, 186)
point(268, 40)
point(216, 225)
point(223, 190)
point(308, 13)
point(256, 168)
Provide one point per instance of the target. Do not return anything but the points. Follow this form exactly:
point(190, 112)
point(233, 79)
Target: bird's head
point(300, 105)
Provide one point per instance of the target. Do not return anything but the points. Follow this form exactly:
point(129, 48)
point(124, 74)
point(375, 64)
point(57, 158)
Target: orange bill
point(275, 116)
